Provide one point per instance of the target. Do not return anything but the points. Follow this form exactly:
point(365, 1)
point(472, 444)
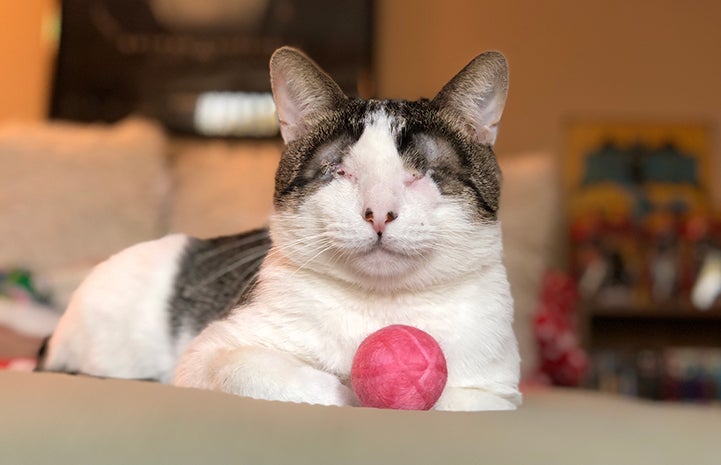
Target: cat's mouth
point(382, 262)
point(381, 248)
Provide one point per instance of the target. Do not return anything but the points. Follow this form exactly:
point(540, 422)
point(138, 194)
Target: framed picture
point(639, 209)
point(200, 67)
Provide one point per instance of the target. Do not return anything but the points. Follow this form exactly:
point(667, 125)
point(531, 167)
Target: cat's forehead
point(379, 116)
point(398, 115)
point(384, 130)
point(412, 128)
point(377, 148)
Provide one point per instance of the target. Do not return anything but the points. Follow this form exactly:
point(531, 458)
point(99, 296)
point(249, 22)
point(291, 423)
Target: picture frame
point(640, 216)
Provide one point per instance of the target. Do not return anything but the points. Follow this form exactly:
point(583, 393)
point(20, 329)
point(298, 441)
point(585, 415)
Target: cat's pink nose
point(379, 221)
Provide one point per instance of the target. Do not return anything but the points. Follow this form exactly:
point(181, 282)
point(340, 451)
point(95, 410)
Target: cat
point(385, 212)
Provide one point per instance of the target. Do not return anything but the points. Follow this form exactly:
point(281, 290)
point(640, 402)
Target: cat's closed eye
point(328, 167)
point(413, 176)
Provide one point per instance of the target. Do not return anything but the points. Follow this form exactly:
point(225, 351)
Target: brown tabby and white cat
point(386, 212)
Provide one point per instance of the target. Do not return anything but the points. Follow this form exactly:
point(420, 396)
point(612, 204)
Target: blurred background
point(592, 59)
point(124, 120)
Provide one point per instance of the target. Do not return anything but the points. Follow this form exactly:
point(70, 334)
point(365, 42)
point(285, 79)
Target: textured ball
point(399, 367)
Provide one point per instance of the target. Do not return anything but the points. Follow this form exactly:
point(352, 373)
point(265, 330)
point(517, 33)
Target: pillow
point(72, 193)
point(222, 188)
point(531, 219)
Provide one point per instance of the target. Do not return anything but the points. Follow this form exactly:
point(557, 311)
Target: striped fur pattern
point(214, 276)
point(386, 212)
point(135, 313)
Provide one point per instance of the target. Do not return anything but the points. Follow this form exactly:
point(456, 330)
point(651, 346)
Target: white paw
point(311, 386)
point(471, 400)
point(266, 374)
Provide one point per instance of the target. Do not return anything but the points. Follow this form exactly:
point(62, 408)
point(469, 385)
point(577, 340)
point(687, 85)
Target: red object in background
point(17, 364)
point(563, 361)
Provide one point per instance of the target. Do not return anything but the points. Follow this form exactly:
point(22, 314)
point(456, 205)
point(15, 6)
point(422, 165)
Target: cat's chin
point(382, 267)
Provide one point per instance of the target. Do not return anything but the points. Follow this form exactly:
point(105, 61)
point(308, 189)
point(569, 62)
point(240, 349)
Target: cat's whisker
point(307, 262)
point(251, 274)
point(253, 257)
point(251, 263)
point(300, 244)
point(291, 249)
point(337, 256)
point(259, 236)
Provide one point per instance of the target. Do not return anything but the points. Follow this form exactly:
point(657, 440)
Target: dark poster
point(200, 66)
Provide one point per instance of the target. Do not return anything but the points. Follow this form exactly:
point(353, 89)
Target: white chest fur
point(321, 321)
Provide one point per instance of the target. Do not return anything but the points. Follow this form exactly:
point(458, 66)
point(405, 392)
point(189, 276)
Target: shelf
point(659, 312)
point(652, 327)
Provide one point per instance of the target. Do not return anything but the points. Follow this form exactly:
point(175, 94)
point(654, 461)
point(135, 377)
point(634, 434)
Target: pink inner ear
point(289, 115)
point(486, 117)
point(301, 90)
point(475, 97)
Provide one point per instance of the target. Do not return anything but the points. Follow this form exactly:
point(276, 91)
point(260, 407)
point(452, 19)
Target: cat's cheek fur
point(339, 209)
point(116, 324)
point(336, 212)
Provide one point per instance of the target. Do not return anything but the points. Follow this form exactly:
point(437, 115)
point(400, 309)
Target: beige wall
point(639, 59)
point(628, 59)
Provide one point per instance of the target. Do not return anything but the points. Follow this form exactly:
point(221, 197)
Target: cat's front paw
point(471, 399)
point(312, 386)
point(265, 374)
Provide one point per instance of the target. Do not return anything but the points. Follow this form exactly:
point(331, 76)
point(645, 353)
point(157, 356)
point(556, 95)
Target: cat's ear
point(473, 100)
point(301, 90)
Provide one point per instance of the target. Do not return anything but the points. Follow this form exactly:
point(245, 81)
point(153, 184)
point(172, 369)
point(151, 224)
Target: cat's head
point(388, 194)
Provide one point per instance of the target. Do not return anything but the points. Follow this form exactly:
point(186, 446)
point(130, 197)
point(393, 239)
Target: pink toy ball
point(399, 367)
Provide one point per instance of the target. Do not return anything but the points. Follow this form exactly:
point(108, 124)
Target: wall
point(641, 59)
point(637, 60)
point(25, 56)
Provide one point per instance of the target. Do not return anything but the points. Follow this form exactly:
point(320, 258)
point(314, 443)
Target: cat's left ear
point(473, 100)
point(302, 92)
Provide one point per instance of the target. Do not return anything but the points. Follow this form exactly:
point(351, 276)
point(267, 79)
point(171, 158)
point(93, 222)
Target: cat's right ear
point(301, 90)
point(473, 100)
